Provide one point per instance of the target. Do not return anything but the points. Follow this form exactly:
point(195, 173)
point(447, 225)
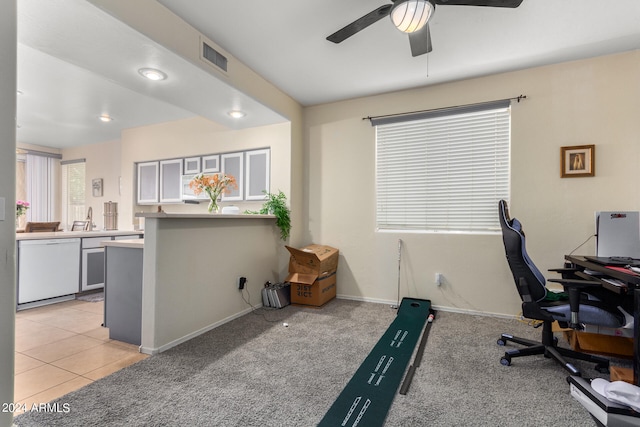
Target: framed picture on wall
point(577, 161)
point(96, 186)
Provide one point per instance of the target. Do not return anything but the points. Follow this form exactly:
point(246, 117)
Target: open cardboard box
point(312, 274)
point(607, 345)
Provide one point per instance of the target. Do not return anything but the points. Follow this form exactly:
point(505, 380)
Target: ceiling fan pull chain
point(427, 66)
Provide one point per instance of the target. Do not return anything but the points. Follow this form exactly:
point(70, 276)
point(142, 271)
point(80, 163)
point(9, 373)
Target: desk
point(632, 290)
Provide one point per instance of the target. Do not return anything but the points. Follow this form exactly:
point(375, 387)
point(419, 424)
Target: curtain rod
point(517, 98)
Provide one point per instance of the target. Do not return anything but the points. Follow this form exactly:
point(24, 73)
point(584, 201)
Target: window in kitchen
point(73, 191)
point(443, 170)
point(36, 182)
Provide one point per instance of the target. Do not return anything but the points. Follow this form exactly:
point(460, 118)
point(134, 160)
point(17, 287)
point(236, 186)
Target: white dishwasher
point(48, 268)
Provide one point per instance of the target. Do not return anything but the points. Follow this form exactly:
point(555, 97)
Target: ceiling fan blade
point(490, 3)
point(360, 24)
point(420, 41)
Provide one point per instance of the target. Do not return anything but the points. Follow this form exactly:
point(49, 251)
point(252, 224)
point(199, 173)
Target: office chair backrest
point(519, 262)
point(35, 227)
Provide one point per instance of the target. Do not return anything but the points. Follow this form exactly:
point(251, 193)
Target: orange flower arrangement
point(214, 185)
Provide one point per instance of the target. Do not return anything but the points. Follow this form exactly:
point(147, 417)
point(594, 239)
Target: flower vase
point(213, 206)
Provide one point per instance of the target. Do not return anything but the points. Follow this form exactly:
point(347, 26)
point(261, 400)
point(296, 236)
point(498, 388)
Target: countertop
point(70, 234)
point(125, 243)
point(204, 216)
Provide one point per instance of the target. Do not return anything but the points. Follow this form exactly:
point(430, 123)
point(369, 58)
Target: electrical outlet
point(438, 279)
point(241, 282)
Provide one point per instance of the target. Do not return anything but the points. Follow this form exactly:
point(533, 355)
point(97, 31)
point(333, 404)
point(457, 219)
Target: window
point(443, 170)
point(73, 191)
point(40, 183)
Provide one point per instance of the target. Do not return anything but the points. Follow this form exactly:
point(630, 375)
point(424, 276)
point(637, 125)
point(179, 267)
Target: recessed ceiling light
point(152, 74)
point(105, 118)
point(237, 114)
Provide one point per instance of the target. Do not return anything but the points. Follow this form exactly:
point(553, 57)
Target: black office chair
point(581, 309)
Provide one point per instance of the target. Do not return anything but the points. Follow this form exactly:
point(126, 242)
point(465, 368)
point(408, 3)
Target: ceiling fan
point(411, 17)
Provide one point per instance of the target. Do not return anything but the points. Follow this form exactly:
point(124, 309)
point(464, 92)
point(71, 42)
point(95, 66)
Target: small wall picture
point(96, 185)
point(577, 161)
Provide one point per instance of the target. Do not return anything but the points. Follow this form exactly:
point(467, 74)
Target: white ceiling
point(92, 58)
point(76, 62)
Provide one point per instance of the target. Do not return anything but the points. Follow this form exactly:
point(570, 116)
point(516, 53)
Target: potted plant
point(276, 204)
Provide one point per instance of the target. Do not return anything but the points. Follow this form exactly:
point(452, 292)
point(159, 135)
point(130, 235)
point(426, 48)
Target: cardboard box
point(607, 345)
point(618, 373)
point(316, 293)
point(312, 274)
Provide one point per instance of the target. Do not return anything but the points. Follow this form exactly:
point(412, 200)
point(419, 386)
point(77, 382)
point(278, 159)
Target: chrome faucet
point(90, 219)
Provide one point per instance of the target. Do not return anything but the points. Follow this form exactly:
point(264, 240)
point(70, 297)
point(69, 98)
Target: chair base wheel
point(505, 361)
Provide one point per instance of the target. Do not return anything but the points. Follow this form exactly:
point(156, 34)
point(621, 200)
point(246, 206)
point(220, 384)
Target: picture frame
point(577, 161)
point(96, 185)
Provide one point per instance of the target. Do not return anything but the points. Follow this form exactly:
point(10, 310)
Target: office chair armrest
point(574, 288)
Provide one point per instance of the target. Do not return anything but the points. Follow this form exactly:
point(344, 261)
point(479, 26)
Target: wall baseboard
point(156, 350)
point(435, 307)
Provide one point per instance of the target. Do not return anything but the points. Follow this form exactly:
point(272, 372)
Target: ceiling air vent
point(214, 57)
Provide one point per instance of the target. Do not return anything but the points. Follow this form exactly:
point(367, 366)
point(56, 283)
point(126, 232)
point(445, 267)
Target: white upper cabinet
point(148, 183)
point(171, 180)
point(191, 165)
point(211, 164)
point(232, 164)
point(167, 181)
point(257, 174)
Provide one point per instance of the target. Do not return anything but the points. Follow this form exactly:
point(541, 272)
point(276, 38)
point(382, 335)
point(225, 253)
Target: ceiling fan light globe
point(410, 16)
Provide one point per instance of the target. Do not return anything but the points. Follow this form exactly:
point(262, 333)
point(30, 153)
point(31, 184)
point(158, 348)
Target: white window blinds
point(41, 183)
point(444, 170)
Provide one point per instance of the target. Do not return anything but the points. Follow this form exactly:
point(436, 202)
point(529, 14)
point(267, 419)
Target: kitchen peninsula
point(191, 267)
point(54, 266)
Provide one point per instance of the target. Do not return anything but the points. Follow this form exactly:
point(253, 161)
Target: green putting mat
point(368, 396)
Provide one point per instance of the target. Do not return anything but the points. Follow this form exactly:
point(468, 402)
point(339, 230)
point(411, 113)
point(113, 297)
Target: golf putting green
point(369, 394)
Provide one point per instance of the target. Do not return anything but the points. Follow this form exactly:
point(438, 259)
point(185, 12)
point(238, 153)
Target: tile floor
point(62, 347)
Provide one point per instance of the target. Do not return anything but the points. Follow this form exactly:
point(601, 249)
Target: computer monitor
point(618, 234)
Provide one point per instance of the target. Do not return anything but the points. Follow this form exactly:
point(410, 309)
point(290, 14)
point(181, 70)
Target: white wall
point(102, 161)
point(593, 101)
point(8, 193)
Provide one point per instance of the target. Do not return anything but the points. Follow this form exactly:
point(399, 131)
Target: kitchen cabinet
point(167, 181)
point(257, 174)
point(232, 164)
point(47, 268)
point(148, 183)
point(191, 165)
point(211, 163)
point(170, 181)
